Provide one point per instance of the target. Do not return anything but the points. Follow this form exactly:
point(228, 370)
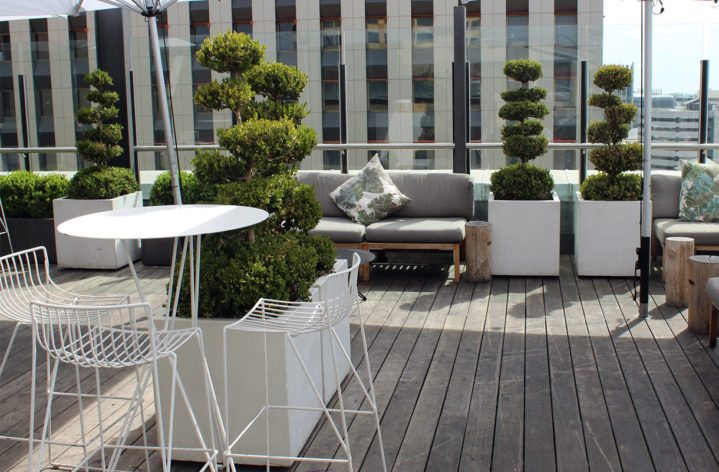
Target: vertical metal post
point(343, 115)
point(459, 91)
point(132, 129)
point(583, 116)
point(160, 77)
point(646, 225)
point(22, 92)
point(703, 108)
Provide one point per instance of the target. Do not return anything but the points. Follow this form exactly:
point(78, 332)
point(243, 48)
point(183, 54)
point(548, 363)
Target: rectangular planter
point(288, 385)
point(158, 252)
point(525, 236)
point(606, 236)
point(27, 233)
point(86, 253)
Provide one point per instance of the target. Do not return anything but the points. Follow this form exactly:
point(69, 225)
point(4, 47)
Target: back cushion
point(435, 194)
point(324, 183)
point(665, 195)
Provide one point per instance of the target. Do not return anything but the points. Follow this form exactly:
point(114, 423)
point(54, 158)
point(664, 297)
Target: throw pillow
point(370, 195)
point(699, 193)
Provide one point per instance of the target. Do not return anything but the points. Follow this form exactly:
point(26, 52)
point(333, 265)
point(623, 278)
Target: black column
point(111, 59)
point(459, 92)
point(703, 107)
point(584, 112)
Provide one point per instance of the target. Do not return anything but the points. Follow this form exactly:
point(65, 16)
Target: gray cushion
point(340, 229)
point(435, 194)
point(713, 289)
point(665, 195)
point(704, 233)
point(324, 183)
point(395, 229)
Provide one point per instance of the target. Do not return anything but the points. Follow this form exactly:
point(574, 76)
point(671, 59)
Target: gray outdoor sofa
point(665, 216)
point(441, 205)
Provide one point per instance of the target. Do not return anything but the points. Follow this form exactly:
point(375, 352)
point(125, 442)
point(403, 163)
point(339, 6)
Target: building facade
point(397, 56)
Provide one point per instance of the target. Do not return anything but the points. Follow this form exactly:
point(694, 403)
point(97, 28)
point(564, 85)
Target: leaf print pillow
point(699, 193)
point(370, 195)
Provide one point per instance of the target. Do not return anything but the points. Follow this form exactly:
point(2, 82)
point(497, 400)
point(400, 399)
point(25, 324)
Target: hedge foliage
point(28, 195)
point(98, 182)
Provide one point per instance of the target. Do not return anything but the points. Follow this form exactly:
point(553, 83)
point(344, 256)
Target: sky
point(685, 33)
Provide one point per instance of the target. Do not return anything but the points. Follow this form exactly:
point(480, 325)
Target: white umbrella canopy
point(11, 10)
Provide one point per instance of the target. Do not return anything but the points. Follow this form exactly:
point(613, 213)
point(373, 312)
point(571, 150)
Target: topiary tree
point(277, 258)
point(100, 144)
point(522, 136)
point(615, 157)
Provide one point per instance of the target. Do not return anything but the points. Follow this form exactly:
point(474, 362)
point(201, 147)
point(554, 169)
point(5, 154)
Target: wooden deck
point(517, 374)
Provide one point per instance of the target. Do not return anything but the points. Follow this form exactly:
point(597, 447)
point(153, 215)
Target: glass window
point(424, 159)
point(423, 126)
point(331, 160)
point(330, 8)
point(377, 95)
point(375, 8)
point(285, 10)
point(383, 157)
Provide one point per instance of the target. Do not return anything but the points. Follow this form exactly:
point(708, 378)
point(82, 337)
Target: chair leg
point(456, 262)
point(343, 414)
point(713, 327)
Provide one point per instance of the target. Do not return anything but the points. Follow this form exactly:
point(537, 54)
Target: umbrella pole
point(646, 228)
point(160, 77)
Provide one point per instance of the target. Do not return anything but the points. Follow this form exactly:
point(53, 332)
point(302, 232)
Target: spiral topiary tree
point(277, 258)
point(522, 137)
point(100, 145)
point(615, 157)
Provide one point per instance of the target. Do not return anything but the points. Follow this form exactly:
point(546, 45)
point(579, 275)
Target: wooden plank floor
point(537, 374)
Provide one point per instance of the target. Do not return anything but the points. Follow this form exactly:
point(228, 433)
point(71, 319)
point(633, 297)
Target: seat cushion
point(704, 234)
point(416, 230)
point(340, 229)
point(713, 289)
point(665, 195)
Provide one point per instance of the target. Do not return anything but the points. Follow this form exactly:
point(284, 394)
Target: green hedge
point(28, 195)
point(99, 182)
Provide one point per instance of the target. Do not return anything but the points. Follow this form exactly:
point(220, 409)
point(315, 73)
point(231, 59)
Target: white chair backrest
point(341, 292)
point(95, 336)
point(24, 276)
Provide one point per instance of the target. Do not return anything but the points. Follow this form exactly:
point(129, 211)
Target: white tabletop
point(162, 221)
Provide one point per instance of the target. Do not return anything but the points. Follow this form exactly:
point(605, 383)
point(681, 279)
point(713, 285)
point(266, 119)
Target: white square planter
point(525, 236)
point(86, 253)
point(288, 386)
point(606, 236)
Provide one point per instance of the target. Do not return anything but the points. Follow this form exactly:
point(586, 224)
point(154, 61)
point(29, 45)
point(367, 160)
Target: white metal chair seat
point(120, 336)
point(338, 298)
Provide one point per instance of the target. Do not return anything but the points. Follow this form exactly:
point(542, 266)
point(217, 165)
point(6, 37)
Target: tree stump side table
point(477, 239)
point(701, 268)
point(677, 251)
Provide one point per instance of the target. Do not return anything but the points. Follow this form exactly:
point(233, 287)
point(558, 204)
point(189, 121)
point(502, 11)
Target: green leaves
point(520, 111)
point(523, 70)
point(612, 77)
point(231, 52)
point(521, 182)
point(276, 81)
point(617, 158)
point(605, 187)
point(28, 195)
point(97, 182)
point(192, 190)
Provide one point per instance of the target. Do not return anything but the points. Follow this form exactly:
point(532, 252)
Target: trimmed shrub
point(97, 182)
point(522, 182)
point(192, 190)
point(28, 195)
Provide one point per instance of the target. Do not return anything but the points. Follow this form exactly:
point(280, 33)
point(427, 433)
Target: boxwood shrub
point(28, 195)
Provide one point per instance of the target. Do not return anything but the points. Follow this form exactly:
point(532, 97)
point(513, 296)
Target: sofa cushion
point(370, 195)
point(340, 229)
point(704, 233)
point(699, 194)
point(712, 289)
point(324, 183)
point(435, 194)
point(396, 229)
point(665, 195)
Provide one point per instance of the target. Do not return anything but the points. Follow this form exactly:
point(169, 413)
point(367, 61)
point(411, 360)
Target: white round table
point(169, 221)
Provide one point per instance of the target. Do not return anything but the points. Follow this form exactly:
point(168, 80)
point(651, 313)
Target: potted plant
point(607, 215)
point(275, 259)
point(27, 201)
point(523, 209)
point(99, 187)
point(158, 252)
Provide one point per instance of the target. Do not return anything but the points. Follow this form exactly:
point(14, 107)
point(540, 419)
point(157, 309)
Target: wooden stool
point(477, 239)
point(701, 268)
point(677, 251)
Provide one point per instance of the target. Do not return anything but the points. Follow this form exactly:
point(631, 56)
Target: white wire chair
point(115, 337)
point(292, 319)
point(25, 276)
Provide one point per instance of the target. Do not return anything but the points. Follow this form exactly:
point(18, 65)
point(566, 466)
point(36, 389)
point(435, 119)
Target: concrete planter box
point(525, 236)
point(85, 253)
point(27, 233)
point(158, 252)
point(606, 236)
point(288, 385)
